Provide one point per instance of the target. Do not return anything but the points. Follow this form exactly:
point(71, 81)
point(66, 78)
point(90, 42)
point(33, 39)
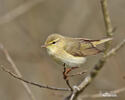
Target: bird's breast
point(62, 57)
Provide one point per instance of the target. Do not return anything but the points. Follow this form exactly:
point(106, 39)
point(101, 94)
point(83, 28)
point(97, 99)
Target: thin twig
point(13, 65)
point(68, 84)
point(32, 83)
point(18, 11)
point(80, 73)
point(107, 19)
point(108, 24)
point(114, 50)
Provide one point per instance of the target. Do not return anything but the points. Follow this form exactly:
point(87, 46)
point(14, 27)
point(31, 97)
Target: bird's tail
point(95, 43)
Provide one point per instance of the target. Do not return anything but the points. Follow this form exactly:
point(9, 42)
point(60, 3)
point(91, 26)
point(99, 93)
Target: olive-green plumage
point(71, 51)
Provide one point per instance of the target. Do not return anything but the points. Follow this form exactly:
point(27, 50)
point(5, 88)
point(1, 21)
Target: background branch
point(13, 65)
point(106, 17)
point(32, 83)
point(108, 24)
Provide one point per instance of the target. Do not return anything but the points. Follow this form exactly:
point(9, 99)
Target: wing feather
point(81, 47)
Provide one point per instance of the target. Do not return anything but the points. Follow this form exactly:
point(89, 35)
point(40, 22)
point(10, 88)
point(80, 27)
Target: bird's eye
point(53, 42)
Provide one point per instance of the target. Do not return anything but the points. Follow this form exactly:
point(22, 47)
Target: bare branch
point(18, 11)
point(107, 19)
point(68, 84)
point(108, 24)
point(79, 73)
point(114, 50)
point(32, 83)
point(17, 71)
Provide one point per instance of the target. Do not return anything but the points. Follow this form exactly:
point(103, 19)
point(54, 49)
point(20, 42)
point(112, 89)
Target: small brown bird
point(71, 52)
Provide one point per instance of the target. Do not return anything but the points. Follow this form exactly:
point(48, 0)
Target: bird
point(71, 52)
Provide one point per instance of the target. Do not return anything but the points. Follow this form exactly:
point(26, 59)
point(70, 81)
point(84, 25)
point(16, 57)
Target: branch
point(32, 83)
point(14, 67)
point(108, 24)
point(106, 17)
point(79, 73)
point(114, 50)
point(68, 84)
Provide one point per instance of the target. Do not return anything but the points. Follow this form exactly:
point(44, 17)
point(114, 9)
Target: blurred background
point(25, 25)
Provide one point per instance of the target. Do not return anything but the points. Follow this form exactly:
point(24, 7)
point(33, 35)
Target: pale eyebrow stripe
point(56, 40)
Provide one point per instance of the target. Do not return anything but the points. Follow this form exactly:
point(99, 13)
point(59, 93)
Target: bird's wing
point(81, 47)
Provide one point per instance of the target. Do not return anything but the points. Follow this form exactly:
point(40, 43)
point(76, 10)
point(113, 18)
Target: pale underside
point(67, 59)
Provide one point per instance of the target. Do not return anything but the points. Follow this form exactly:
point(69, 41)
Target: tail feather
point(95, 43)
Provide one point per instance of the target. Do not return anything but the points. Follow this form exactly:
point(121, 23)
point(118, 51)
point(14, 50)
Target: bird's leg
point(66, 71)
point(65, 76)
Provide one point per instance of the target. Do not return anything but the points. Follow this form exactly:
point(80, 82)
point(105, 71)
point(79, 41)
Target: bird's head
point(54, 42)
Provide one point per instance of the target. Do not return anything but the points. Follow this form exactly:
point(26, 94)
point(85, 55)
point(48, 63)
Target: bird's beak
point(43, 46)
